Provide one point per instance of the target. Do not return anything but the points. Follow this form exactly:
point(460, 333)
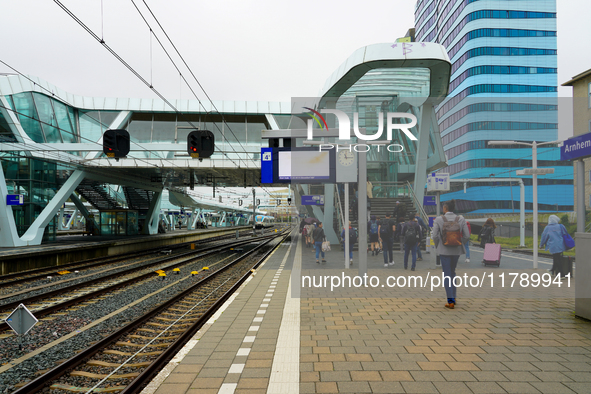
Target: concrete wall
point(583, 275)
point(582, 125)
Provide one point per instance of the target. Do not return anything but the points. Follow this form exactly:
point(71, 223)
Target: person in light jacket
point(449, 255)
point(553, 241)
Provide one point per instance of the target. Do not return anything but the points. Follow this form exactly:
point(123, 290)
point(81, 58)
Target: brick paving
point(395, 340)
point(406, 341)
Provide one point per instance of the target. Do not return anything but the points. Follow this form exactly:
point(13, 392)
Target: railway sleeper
point(74, 389)
point(184, 319)
point(131, 344)
point(120, 353)
point(150, 338)
point(98, 363)
point(131, 375)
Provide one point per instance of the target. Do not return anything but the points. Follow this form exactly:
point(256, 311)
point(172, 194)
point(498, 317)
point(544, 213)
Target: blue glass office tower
point(503, 87)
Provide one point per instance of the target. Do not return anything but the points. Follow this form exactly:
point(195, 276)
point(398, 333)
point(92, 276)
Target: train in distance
point(262, 221)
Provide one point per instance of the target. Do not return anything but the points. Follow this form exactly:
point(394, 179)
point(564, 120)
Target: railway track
point(127, 359)
point(9, 280)
point(49, 302)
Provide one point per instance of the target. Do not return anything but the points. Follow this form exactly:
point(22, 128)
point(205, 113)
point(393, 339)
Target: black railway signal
point(116, 143)
point(200, 144)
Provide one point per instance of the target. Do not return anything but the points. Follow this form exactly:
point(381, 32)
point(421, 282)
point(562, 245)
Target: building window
point(589, 94)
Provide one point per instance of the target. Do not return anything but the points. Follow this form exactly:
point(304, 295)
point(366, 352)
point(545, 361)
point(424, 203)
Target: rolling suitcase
point(566, 266)
point(492, 254)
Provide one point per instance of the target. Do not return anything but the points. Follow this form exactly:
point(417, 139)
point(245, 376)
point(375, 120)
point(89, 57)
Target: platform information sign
point(21, 320)
point(312, 200)
point(437, 182)
point(14, 199)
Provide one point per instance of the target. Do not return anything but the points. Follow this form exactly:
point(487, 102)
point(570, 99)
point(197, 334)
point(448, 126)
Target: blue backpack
point(373, 228)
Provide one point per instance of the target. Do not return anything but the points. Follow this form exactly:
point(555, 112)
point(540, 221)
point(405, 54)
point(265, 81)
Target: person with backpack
point(319, 237)
point(386, 231)
point(424, 232)
point(411, 233)
point(487, 234)
point(450, 233)
point(373, 226)
point(352, 241)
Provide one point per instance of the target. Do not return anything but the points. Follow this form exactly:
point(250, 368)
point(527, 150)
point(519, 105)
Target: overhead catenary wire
point(129, 67)
point(190, 71)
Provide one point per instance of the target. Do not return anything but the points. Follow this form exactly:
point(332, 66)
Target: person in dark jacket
point(319, 237)
point(386, 232)
point(487, 234)
point(424, 232)
point(411, 234)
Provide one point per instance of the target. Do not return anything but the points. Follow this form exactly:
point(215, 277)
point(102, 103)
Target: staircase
point(138, 199)
point(97, 196)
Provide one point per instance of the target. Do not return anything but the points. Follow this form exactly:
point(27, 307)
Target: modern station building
point(51, 142)
point(503, 87)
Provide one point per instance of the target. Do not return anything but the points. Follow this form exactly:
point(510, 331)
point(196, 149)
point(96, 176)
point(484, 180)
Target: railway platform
point(70, 248)
point(275, 336)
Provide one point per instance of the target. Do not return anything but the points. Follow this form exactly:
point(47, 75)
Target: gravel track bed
point(50, 330)
point(131, 263)
point(81, 381)
point(84, 271)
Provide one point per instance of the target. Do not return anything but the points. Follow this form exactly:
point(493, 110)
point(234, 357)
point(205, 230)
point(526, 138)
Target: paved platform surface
point(387, 340)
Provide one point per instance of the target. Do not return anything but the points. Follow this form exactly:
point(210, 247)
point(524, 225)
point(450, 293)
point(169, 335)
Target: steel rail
point(40, 273)
point(40, 382)
point(43, 312)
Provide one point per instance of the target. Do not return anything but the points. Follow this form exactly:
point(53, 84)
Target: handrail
point(418, 205)
point(340, 209)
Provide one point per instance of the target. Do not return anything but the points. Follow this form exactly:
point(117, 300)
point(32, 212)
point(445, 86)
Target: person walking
point(424, 232)
point(386, 232)
point(553, 241)
point(487, 234)
point(352, 241)
point(319, 237)
point(411, 234)
point(467, 244)
point(450, 234)
point(373, 226)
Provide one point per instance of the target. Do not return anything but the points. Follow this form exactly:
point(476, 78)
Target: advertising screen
point(304, 165)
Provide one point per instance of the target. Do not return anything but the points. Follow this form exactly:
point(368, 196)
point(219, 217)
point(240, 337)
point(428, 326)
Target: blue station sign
point(14, 199)
point(576, 147)
point(429, 200)
point(312, 200)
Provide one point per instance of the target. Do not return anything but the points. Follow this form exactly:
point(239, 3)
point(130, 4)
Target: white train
point(261, 221)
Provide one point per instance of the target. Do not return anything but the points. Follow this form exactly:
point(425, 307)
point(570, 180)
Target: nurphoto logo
point(345, 129)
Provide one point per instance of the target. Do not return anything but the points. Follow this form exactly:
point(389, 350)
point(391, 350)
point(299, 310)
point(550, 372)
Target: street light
point(534, 155)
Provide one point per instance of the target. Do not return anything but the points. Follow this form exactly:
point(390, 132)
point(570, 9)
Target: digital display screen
point(303, 165)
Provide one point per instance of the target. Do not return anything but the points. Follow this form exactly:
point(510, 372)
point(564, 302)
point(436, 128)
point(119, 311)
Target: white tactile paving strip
point(229, 388)
point(226, 388)
point(285, 372)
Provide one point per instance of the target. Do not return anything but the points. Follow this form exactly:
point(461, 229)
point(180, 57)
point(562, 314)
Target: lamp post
point(534, 145)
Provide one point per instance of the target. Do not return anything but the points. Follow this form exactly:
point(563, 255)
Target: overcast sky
point(238, 49)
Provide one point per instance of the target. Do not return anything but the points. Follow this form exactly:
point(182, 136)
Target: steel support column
point(153, 215)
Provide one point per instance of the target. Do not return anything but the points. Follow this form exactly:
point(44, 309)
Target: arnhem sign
point(576, 148)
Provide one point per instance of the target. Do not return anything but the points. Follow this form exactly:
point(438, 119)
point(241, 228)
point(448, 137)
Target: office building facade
point(503, 87)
